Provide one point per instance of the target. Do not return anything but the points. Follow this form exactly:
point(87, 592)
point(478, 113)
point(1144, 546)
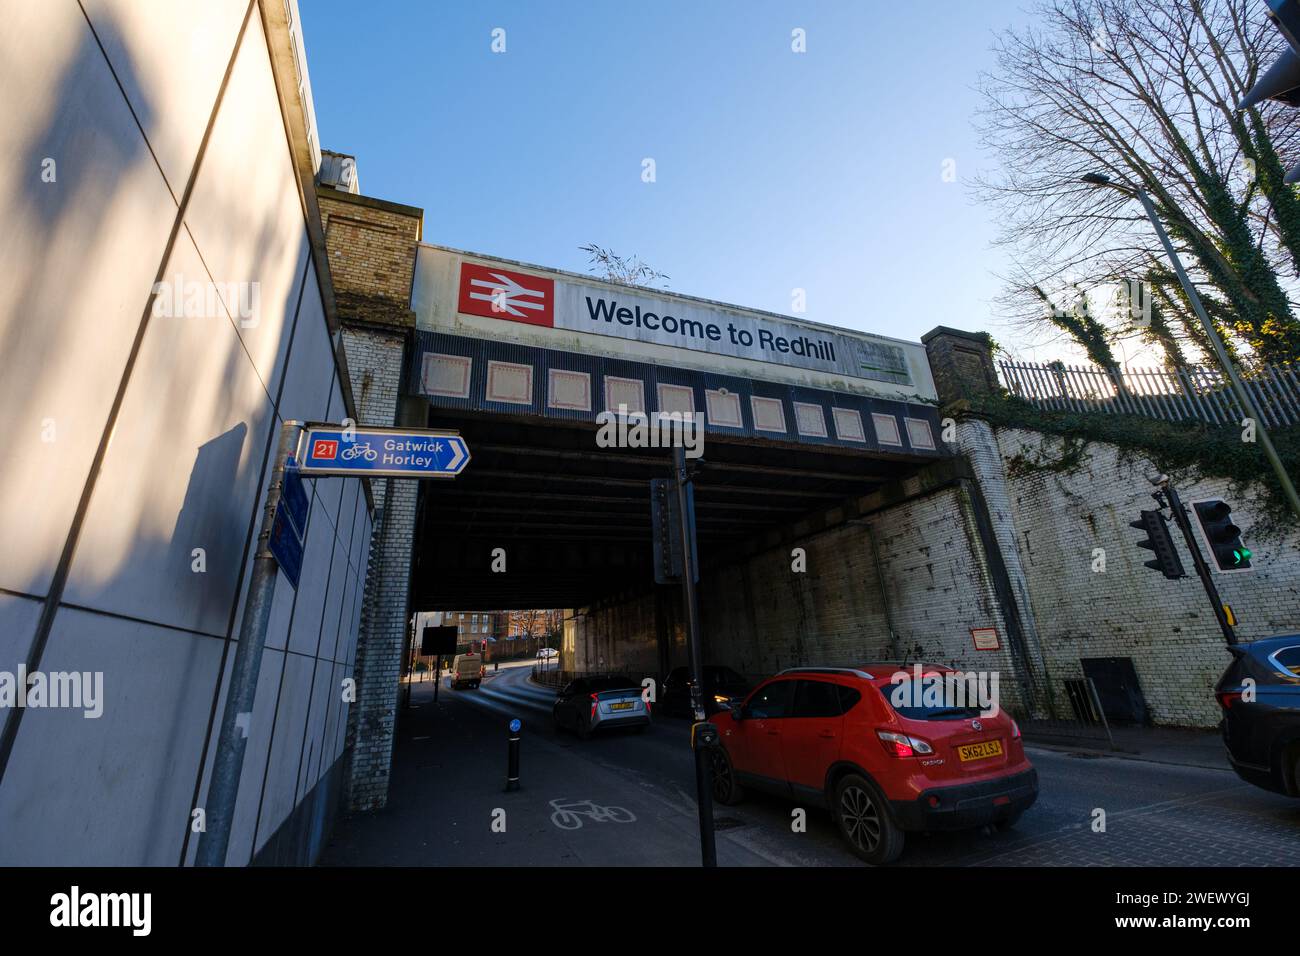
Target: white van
point(466, 670)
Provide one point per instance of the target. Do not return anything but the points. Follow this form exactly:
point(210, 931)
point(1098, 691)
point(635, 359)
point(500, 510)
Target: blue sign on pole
point(382, 452)
point(293, 497)
point(289, 527)
point(286, 546)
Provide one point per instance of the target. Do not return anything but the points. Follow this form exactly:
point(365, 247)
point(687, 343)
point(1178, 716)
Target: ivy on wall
point(1186, 451)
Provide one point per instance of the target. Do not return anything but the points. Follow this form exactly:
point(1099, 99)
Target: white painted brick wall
point(1167, 627)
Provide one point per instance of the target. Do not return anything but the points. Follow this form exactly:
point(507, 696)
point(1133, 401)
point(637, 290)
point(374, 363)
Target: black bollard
point(512, 762)
point(704, 737)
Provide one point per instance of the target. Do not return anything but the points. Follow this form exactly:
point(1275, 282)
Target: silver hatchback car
point(588, 704)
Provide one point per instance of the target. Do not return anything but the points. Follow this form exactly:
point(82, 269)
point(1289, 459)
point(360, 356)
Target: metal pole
point(1238, 388)
point(437, 677)
point(1202, 569)
point(703, 768)
point(1101, 714)
point(512, 755)
point(228, 763)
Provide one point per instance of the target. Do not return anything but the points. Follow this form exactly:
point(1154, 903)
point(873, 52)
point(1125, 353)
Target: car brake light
point(1227, 698)
point(1015, 729)
point(901, 745)
point(593, 705)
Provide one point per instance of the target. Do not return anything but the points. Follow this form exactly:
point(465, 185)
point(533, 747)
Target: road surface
point(449, 771)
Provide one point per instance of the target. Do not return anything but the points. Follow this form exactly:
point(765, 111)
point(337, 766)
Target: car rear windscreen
point(917, 710)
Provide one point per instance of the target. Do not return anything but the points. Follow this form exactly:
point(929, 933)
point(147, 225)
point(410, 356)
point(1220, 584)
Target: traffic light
point(1223, 537)
point(1166, 559)
point(1281, 81)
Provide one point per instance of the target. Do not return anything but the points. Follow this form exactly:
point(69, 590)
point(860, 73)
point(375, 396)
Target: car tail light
point(1015, 729)
point(594, 698)
point(901, 745)
point(1227, 698)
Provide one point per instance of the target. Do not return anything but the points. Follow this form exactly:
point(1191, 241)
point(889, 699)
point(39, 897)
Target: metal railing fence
point(1190, 393)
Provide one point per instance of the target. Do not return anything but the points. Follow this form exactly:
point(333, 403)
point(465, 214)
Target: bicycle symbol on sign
point(568, 816)
point(359, 450)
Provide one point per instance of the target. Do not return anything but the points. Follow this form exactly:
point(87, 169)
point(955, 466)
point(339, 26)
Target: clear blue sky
point(775, 170)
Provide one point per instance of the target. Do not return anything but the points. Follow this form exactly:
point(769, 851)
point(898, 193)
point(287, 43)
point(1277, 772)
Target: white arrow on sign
point(505, 294)
point(457, 455)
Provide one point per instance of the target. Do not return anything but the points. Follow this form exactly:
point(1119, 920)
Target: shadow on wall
point(134, 789)
point(52, 200)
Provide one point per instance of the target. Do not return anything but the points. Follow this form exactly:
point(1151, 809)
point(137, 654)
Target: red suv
point(832, 735)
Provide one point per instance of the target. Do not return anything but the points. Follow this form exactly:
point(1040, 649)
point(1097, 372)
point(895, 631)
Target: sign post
point(228, 762)
point(703, 756)
point(324, 450)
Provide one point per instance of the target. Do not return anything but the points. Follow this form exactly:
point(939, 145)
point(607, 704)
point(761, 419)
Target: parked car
point(588, 704)
point(1262, 735)
point(546, 653)
point(722, 688)
point(830, 735)
point(466, 670)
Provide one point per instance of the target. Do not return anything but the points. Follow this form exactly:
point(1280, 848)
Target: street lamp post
point(1239, 389)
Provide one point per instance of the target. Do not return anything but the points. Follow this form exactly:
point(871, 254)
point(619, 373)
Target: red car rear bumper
point(968, 805)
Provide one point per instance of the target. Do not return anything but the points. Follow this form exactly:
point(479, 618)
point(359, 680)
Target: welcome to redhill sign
point(498, 293)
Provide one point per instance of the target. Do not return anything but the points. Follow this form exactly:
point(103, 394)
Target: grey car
point(588, 704)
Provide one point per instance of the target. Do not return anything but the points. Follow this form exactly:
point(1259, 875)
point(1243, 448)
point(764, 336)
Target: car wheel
point(1006, 823)
point(726, 790)
point(864, 822)
point(584, 729)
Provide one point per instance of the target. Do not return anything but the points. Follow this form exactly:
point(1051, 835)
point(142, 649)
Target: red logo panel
point(324, 448)
point(498, 294)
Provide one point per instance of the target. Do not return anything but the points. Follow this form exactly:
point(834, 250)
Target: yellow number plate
point(990, 748)
point(625, 705)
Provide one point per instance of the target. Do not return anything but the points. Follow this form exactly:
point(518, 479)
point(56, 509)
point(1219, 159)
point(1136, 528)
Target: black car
point(600, 702)
point(722, 687)
point(1261, 721)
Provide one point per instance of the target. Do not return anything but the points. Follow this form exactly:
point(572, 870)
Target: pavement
point(1168, 800)
point(1176, 746)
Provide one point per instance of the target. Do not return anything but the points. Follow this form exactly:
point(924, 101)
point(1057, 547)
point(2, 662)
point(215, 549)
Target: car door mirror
point(738, 711)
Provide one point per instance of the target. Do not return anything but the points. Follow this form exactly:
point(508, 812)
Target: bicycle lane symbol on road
point(568, 815)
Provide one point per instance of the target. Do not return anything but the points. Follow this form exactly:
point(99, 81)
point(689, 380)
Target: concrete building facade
point(165, 306)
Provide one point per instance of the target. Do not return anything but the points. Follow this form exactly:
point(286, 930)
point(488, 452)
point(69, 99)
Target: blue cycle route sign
point(289, 528)
point(382, 452)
